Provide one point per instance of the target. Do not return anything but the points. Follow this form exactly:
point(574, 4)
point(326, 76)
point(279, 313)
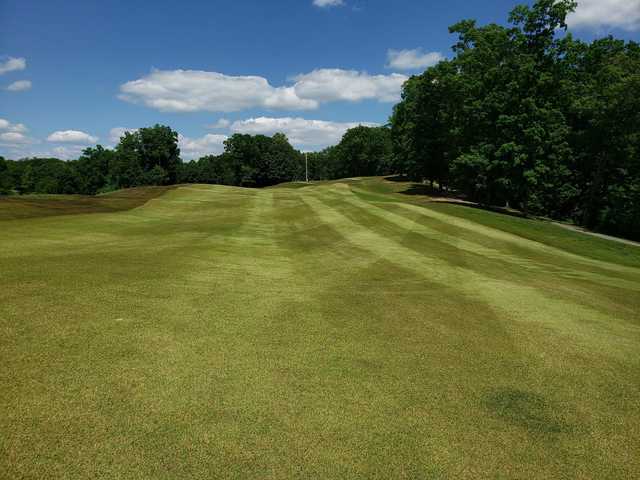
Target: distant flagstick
point(306, 166)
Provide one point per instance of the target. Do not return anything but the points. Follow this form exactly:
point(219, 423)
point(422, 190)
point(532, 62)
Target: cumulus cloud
point(220, 124)
point(27, 150)
point(328, 3)
point(601, 14)
point(332, 84)
point(12, 64)
point(72, 136)
point(194, 90)
point(116, 133)
point(210, 144)
point(20, 86)
point(14, 138)
point(12, 127)
point(412, 59)
point(65, 152)
point(302, 133)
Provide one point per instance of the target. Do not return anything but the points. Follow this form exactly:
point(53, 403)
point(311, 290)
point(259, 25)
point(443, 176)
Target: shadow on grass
point(451, 197)
point(415, 188)
point(33, 206)
point(397, 178)
point(527, 410)
point(427, 190)
point(489, 208)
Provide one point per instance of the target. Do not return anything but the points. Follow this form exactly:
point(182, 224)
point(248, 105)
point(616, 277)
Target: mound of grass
point(341, 330)
point(549, 234)
point(541, 231)
point(32, 206)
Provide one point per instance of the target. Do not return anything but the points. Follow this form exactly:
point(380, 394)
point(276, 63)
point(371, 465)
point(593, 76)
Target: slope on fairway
point(30, 206)
point(339, 330)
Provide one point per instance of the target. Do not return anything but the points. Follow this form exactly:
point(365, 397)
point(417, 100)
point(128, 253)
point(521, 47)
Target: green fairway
point(338, 330)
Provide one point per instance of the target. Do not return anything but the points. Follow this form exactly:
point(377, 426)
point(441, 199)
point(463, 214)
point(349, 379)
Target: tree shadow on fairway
point(450, 196)
point(397, 178)
point(489, 208)
point(527, 410)
point(414, 188)
point(420, 189)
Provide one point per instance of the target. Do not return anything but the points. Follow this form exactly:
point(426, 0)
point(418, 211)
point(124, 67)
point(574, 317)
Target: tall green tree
point(425, 125)
point(92, 169)
point(604, 112)
point(363, 151)
point(158, 146)
point(126, 169)
point(141, 154)
point(5, 179)
point(259, 161)
point(525, 115)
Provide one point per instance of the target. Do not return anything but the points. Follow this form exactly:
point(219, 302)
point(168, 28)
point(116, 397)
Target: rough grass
point(339, 330)
point(30, 206)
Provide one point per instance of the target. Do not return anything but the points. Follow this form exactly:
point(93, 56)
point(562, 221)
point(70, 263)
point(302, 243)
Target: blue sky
point(75, 73)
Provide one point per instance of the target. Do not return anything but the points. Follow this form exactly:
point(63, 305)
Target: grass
point(338, 330)
point(30, 206)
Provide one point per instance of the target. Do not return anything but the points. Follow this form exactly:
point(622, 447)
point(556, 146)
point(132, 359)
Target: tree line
point(148, 156)
point(527, 116)
point(151, 156)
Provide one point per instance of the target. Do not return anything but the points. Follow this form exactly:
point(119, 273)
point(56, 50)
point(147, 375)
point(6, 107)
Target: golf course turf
point(29, 206)
point(336, 330)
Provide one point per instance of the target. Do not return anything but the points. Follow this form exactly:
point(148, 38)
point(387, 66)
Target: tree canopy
point(527, 116)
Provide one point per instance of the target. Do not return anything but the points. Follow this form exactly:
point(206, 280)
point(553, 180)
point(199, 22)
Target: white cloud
point(330, 85)
point(16, 143)
point(210, 144)
point(193, 91)
point(26, 150)
point(602, 14)
point(72, 136)
point(20, 86)
point(12, 127)
point(118, 132)
point(328, 3)
point(63, 152)
point(412, 59)
point(285, 98)
point(12, 64)
point(66, 152)
point(14, 138)
point(220, 124)
point(196, 90)
point(302, 133)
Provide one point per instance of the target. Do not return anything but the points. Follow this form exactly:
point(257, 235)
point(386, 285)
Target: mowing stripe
point(520, 241)
point(494, 254)
point(583, 325)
